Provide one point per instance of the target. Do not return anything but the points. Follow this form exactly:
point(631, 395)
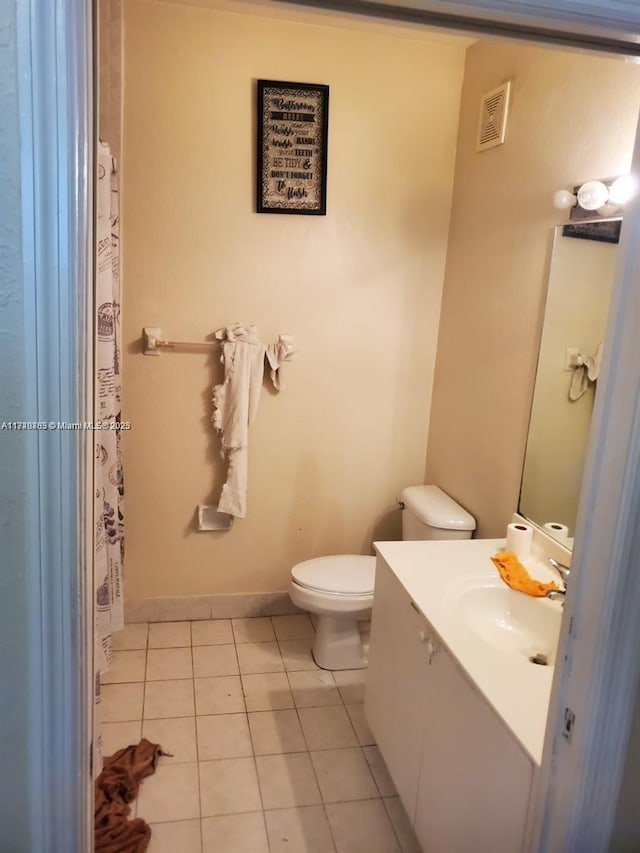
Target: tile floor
point(269, 752)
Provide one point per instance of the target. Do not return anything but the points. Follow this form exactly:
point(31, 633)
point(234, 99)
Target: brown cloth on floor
point(116, 786)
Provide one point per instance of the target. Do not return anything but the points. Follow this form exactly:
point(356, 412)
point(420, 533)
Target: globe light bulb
point(622, 189)
point(592, 195)
point(609, 209)
point(563, 200)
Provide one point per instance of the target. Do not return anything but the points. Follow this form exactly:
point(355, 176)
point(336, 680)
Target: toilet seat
point(341, 575)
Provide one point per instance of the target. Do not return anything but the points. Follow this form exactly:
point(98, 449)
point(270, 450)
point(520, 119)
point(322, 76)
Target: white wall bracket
point(150, 334)
point(572, 358)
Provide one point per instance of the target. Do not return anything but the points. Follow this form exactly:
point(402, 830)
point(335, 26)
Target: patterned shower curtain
point(109, 483)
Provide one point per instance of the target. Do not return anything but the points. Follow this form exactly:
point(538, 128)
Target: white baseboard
point(209, 607)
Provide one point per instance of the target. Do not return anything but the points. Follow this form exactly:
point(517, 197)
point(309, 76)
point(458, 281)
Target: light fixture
point(564, 200)
point(608, 209)
point(604, 197)
point(623, 189)
point(593, 195)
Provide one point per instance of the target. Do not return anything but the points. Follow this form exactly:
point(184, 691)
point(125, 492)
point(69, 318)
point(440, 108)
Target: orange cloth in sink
point(514, 574)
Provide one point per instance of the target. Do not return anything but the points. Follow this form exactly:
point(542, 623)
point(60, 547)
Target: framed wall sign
point(292, 147)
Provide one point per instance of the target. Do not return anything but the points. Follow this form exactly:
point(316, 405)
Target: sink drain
point(540, 659)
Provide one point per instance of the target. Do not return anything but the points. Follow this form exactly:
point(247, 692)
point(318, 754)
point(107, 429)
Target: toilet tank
point(429, 513)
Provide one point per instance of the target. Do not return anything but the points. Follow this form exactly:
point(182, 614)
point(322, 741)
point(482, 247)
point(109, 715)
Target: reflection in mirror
point(579, 288)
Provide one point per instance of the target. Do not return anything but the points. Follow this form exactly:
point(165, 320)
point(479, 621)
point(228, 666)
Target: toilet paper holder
point(208, 518)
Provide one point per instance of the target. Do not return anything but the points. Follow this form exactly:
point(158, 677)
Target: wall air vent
point(492, 125)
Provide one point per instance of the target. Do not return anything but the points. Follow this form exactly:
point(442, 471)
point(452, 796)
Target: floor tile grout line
point(255, 764)
point(304, 737)
point(325, 705)
point(315, 775)
point(345, 748)
point(275, 809)
point(370, 746)
point(272, 754)
point(146, 661)
point(241, 642)
point(313, 805)
point(277, 639)
point(233, 634)
point(370, 769)
point(235, 652)
point(266, 829)
point(262, 808)
point(304, 669)
point(323, 803)
point(391, 823)
point(195, 723)
point(144, 702)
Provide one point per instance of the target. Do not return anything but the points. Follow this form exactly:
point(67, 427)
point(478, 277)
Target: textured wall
point(360, 288)
point(572, 118)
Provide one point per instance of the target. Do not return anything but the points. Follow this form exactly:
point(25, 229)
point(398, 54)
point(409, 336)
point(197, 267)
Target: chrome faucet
point(564, 572)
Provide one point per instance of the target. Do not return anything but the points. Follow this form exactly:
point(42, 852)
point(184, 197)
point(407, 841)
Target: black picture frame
point(293, 124)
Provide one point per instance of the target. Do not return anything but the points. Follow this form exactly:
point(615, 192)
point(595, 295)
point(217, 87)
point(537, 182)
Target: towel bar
point(152, 343)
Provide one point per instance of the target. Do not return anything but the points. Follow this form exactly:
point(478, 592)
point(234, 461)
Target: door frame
point(600, 644)
point(55, 93)
point(599, 650)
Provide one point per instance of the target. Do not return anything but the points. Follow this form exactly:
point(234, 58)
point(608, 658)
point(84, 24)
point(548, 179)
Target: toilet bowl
point(339, 589)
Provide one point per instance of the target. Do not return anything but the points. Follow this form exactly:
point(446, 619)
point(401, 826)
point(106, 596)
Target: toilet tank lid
point(433, 507)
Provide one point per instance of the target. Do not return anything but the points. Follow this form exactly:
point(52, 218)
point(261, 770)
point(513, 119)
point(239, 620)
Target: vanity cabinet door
point(475, 779)
point(396, 684)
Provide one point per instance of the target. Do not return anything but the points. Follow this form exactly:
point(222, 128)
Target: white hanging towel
point(276, 354)
point(236, 404)
point(586, 372)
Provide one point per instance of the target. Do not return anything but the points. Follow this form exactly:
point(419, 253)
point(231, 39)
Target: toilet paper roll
point(519, 539)
point(558, 531)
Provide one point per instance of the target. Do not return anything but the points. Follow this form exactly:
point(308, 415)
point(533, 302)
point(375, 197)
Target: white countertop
point(518, 691)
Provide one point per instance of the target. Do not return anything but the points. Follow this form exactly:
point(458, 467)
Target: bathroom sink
point(511, 621)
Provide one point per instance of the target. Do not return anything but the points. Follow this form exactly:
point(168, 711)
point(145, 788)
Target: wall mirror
point(579, 288)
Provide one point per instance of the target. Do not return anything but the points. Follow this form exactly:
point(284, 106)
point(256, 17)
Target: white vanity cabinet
point(396, 684)
point(464, 780)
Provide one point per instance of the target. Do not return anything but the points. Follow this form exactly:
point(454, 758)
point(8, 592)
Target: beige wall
point(360, 289)
point(110, 73)
point(572, 118)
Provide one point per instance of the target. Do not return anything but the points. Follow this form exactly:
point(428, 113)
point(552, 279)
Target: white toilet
point(339, 589)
